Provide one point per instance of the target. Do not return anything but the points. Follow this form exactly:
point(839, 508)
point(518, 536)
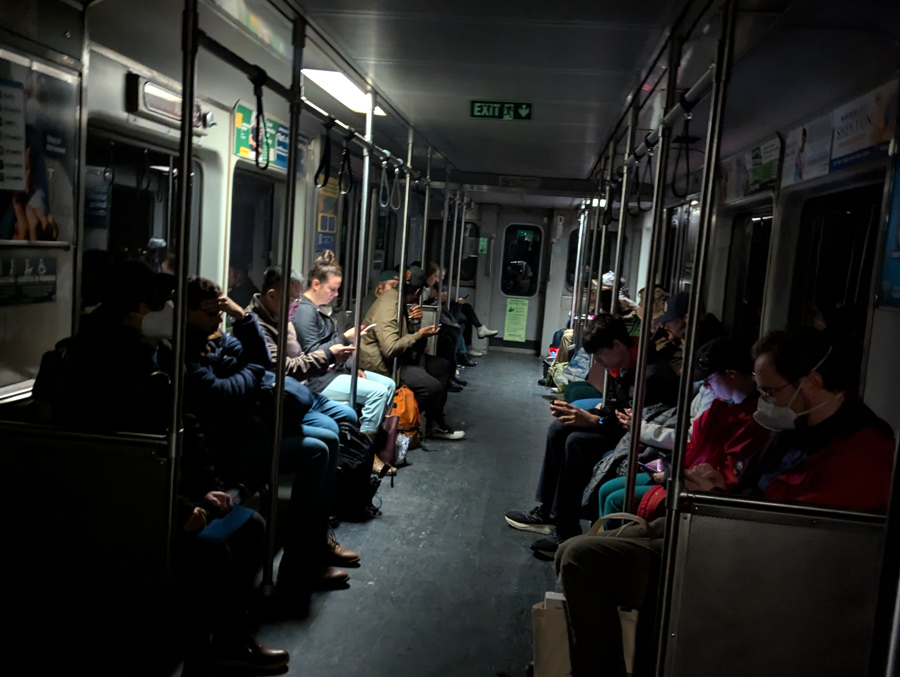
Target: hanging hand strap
point(685, 148)
point(395, 190)
point(323, 173)
point(345, 175)
point(635, 190)
point(648, 178)
point(259, 79)
point(384, 193)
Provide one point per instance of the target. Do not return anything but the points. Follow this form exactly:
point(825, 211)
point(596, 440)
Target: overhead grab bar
point(323, 173)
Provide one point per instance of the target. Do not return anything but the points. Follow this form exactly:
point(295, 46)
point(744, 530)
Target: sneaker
point(484, 332)
point(547, 546)
point(529, 521)
point(474, 353)
point(443, 432)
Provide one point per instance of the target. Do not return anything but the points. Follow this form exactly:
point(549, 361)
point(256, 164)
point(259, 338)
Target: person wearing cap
point(723, 437)
point(675, 322)
point(387, 279)
point(388, 339)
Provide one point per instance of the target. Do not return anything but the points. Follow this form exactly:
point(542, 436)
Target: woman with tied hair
point(317, 331)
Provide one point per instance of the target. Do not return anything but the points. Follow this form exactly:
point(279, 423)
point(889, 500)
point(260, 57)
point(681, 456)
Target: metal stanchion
point(446, 217)
point(363, 249)
point(607, 210)
point(404, 235)
point(578, 282)
point(623, 212)
point(424, 257)
point(462, 245)
point(656, 236)
point(724, 59)
point(457, 209)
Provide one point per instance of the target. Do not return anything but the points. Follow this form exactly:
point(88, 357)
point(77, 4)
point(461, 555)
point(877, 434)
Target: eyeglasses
point(768, 394)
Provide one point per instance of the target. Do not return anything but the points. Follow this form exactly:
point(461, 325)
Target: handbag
point(386, 440)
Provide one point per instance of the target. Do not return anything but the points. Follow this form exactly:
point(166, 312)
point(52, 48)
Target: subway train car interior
point(450, 338)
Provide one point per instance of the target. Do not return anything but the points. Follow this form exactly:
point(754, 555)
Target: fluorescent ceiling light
point(341, 88)
point(599, 202)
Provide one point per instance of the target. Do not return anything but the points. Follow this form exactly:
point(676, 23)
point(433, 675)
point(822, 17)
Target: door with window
point(518, 300)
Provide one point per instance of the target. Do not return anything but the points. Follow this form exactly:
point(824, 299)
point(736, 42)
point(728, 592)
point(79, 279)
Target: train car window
point(572, 256)
point(521, 260)
point(834, 263)
point(469, 266)
point(252, 214)
point(681, 239)
point(129, 210)
point(747, 267)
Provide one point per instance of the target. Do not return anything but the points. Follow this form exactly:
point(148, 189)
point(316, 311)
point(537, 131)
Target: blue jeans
point(376, 392)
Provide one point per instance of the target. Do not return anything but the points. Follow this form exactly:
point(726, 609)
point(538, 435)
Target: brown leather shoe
point(339, 555)
point(246, 652)
point(328, 578)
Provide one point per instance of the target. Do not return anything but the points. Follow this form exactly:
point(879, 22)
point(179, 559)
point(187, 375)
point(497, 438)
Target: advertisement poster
point(276, 140)
point(38, 109)
point(807, 153)
point(863, 128)
point(326, 213)
point(514, 329)
point(762, 166)
point(27, 279)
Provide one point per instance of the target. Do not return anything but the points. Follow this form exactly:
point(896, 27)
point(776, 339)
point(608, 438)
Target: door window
point(521, 261)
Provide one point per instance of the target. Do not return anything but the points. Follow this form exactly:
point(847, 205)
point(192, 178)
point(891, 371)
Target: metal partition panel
point(760, 593)
point(84, 567)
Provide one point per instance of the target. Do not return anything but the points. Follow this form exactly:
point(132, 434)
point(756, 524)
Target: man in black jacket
point(578, 439)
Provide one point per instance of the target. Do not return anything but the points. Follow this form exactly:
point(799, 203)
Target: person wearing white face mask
point(831, 450)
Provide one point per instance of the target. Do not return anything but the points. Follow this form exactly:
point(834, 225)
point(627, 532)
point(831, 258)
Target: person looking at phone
point(389, 339)
point(317, 332)
point(578, 439)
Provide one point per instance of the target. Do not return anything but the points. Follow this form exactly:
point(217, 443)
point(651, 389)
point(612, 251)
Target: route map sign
point(500, 110)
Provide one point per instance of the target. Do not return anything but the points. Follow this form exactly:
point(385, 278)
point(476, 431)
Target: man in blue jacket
point(229, 388)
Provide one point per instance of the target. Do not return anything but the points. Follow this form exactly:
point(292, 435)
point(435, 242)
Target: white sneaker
point(484, 332)
point(474, 353)
point(442, 433)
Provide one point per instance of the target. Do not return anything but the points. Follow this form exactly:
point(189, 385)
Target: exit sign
point(500, 110)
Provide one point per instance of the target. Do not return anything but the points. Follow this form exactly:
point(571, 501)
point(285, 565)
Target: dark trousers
point(569, 459)
point(429, 385)
point(599, 574)
point(465, 315)
point(217, 579)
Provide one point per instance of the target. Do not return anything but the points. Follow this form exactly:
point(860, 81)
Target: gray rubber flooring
point(445, 586)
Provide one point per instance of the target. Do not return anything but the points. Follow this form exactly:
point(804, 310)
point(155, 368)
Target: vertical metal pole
point(656, 234)
point(707, 202)
point(424, 257)
point(607, 197)
point(287, 240)
point(592, 256)
point(444, 232)
point(185, 160)
point(363, 248)
point(404, 235)
point(578, 282)
point(456, 211)
point(462, 242)
point(623, 211)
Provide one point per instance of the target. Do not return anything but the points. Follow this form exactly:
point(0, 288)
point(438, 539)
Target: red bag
point(407, 412)
point(653, 504)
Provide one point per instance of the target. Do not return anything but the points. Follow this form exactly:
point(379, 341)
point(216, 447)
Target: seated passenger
point(316, 331)
point(228, 386)
point(240, 287)
point(387, 279)
point(725, 437)
point(579, 438)
point(388, 339)
point(829, 450)
point(675, 323)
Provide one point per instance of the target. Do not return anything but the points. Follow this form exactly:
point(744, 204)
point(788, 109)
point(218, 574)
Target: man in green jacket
point(388, 339)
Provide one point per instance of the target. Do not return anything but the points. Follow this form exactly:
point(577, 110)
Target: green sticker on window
point(482, 245)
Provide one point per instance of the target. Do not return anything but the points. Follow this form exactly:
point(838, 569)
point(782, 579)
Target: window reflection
point(521, 260)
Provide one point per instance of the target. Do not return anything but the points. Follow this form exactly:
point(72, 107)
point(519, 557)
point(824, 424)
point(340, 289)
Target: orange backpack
point(407, 412)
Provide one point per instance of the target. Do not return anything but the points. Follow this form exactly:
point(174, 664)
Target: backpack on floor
point(407, 412)
point(355, 484)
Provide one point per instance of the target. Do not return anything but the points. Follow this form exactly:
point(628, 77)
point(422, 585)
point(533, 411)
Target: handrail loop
point(259, 78)
point(384, 194)
point(345, 174)
point(323, 173)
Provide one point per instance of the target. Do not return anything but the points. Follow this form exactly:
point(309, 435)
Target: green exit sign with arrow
point(500, 110)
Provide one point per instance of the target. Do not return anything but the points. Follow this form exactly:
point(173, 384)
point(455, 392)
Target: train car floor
point(445, 586)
